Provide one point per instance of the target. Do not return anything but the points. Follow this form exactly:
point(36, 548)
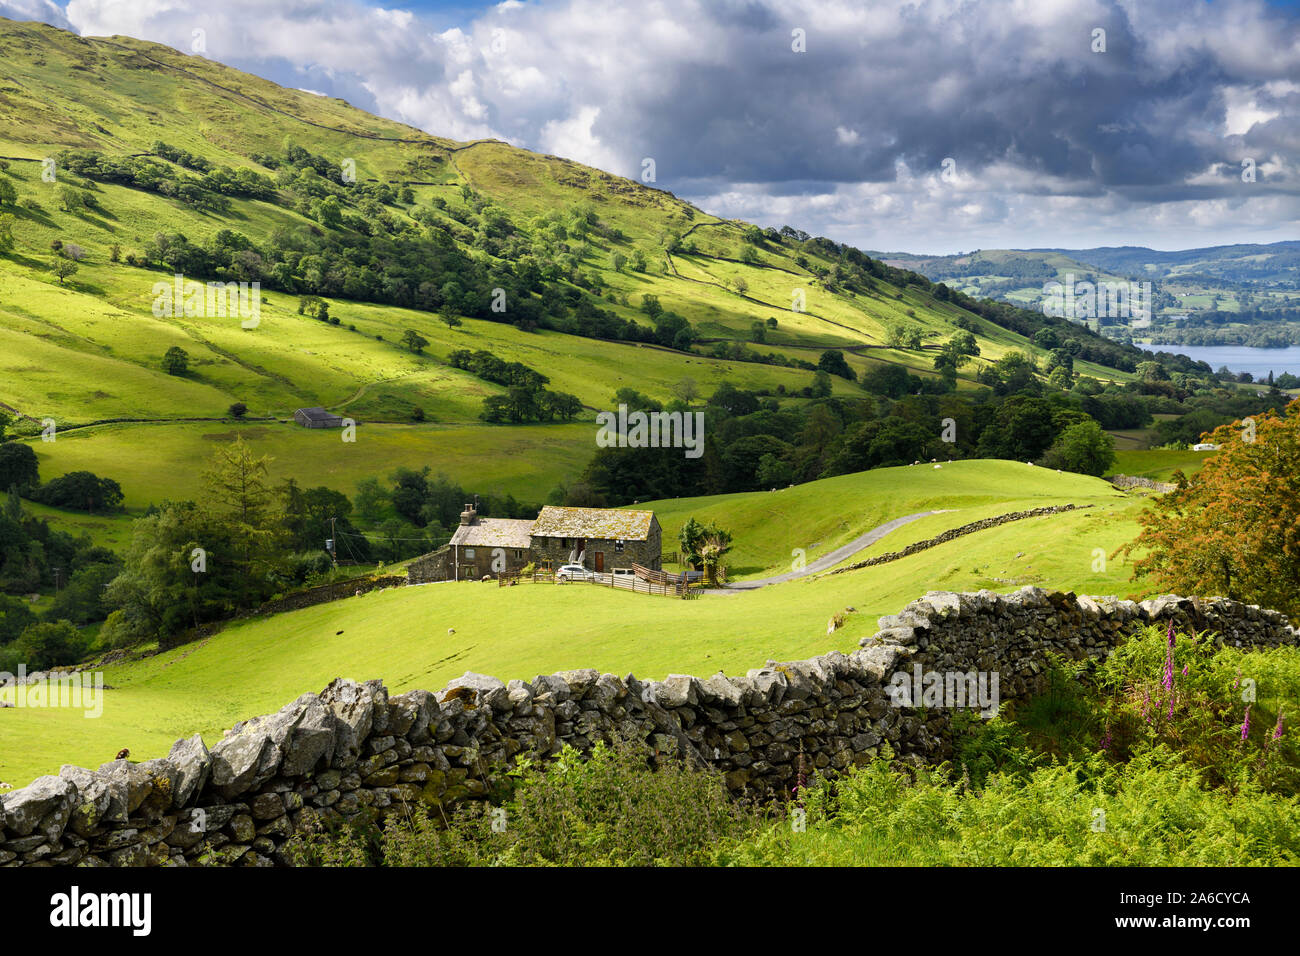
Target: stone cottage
point(488, 545)
point(600, 539)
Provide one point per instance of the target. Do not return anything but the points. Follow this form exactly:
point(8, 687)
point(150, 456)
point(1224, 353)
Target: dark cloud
point(1140, 142)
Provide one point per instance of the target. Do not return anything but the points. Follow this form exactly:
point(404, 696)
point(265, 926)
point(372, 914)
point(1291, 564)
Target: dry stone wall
point(1132, 481)
point(354, 749)
point(982, 525)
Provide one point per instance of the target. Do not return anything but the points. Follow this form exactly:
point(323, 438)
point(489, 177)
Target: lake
point(1240, 358)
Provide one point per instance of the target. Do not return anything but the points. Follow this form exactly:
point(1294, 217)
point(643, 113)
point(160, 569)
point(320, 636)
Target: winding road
point(833, 558)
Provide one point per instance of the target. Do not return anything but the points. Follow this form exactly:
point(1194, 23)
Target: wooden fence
point(642, 581)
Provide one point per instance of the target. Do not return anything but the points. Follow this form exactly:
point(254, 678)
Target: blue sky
point(917, 125)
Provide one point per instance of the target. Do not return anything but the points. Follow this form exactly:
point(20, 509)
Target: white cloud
point(1054, 145)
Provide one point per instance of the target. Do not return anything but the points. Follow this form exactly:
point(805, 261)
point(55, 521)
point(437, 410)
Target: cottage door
point(600, 560)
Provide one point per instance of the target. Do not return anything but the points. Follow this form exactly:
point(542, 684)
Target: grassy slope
point(823, 515)
point(91, 350)
point(401, 635)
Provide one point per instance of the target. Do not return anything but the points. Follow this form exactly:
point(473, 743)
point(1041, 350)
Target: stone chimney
point(469, 515)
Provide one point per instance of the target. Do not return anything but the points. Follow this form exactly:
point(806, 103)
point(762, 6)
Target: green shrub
point(610, 809)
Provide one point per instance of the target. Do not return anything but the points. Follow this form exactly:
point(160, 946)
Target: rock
point(267, 806)
point(242, 828)
point(193, 763)
point(676, 690)
point(24, 809)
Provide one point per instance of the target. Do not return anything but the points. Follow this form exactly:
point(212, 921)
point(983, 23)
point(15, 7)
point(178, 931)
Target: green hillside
point(251, 175)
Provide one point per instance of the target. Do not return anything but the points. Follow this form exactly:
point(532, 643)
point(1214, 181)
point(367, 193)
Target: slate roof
point(494, 533)
point(605, 523)
point(318, 415)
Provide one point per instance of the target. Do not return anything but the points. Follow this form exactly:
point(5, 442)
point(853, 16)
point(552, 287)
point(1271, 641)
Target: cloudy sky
point(917, 125)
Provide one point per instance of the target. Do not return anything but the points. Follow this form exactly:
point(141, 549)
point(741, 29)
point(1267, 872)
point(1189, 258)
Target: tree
point(49, 644)
point(701, 543)
point(712, 548)
point(82, 601)
point(8, 194)
point(237, 410)
point(176, 361)
point(15, 616)
point(6, 231)
point(1060, 378)
point(70, 200)
point(650, 305)
point(899, 335)
point(688, 390)
point(832, 360)
point(1083, 448)
point(414, 341)
point(237, 492)
point(821, 386)
point(80, 491)
point(757, 331)
point(1234, 529)
point(1012, 373)
point(18, 467)
point(449, 316)
point(63, 268)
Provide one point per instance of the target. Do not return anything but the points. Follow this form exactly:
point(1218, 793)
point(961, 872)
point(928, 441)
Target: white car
point(574, 572)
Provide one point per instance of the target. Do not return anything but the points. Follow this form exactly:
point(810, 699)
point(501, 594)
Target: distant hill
point(1247, 294)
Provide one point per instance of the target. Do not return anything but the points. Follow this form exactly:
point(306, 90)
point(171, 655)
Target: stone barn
point(600, 539)
point(317, 418)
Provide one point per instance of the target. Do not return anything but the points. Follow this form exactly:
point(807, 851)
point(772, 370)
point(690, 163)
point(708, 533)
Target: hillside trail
point(832, 558)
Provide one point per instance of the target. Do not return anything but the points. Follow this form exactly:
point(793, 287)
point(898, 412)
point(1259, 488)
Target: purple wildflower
point(1185, 669)
point(1277, 731)
point(1245, 724)
point(1105, 741)
point(1169, 663)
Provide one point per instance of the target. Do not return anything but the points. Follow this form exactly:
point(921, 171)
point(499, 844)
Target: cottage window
point(469, 553)
point(618, 547)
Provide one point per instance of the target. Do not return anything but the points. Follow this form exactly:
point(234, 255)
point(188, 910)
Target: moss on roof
point(605, 523)
point(494, 533)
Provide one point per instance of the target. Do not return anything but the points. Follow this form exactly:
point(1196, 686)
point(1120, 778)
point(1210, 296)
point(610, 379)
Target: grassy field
point(401, 635)
point(159, 461)
point(1158, 464)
